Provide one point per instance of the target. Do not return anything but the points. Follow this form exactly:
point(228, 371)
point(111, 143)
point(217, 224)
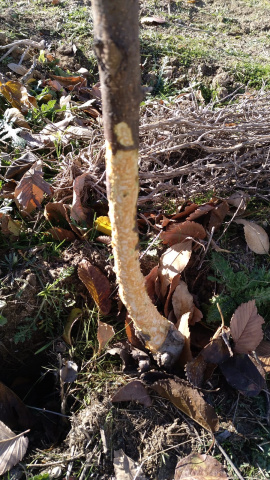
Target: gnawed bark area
point(117, 48)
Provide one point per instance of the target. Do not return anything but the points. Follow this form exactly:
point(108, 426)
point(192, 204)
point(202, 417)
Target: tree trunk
point(116, 43)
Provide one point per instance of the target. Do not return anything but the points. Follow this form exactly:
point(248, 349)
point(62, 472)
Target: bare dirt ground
point(206, 63)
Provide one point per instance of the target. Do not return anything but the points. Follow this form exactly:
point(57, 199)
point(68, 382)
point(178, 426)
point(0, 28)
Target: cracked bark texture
point(116, 43)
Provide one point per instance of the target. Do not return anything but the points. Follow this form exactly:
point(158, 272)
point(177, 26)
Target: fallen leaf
point(10, 227)
point(31, 189)
point(69, 371)
point(217, 216)
point(179, 233)
point(173, 262)
point(182, 302)
point(73, 317)
point(125, 468)
point(133, 338)
point(12, 410)
point(188, 209)
point(12, 448)
point(150, 283)
point(97, 284)
point(61, 234)
point(200, 211)
point(104, 334)
point(256, 237)
point(195, 371)
point(186, 355)
point(241, 373)
point(199, 467)
point(17, 95)
point(71, 83)
point(133, 391)
point(153, 20)
point(263, 354)
point(19, 69)
point(246, 328)
point(196, 317)
point(188, 400)
point(239, 200)
point(20, 166)
point(78, 212)
point(168, 307)
point(15, 116)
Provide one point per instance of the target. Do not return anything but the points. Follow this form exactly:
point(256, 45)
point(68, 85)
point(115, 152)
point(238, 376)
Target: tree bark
point(116, 43)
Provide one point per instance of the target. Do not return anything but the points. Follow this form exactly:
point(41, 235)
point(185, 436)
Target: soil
point(215, 49)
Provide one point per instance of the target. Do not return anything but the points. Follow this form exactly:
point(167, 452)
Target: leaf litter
point(184, 232)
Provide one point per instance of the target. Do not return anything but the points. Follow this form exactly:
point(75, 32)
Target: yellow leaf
point(103, 225)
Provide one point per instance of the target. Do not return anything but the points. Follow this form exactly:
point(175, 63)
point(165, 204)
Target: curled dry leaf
point(125, 468)
point(188, 400)
point(178, 233)
point(31, 189)
point(104, 334)
point(246, 328)
point(241, 373)
point(9, 227)
point(71, 83)
point(256, 237)
point(73, 317)
point(185, 211)
point(18, 168)
point(263, 354)
point(133, 391)
point(173, 262)
point(200, 211)
point(15, 116)
point(186, 355)
point(12, 448)
point(217, 216)
point(199, 467)
point(97, 284)
point(182, 302)
point(150, 283)
point(79, 213)
point(239, 200)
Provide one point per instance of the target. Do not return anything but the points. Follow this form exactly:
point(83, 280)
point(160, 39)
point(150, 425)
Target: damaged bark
point(116, 43)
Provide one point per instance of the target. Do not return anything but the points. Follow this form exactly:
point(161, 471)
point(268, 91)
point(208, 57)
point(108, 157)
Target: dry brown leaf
point(196, 317)
point(186, 355)
point(105, 333)
point(217, 215)
point(239, 200)
point(246, 328)
point(263, 354)
point(10, 227)
point(79, 213)
point(17, 95)
point(97, 284)
point(187, 210)
point(182, 301)
point(242, 373)
point(256, 237)
point(188, 400)
point(133, 391)
point(199, 467)
point(173, 262)
point(19, 69)
point(60, 234)
point(200, 211)
point(31, 189)
point(18, 168)
point(178, 233)
point(12, 410)
point(125, 468)
point(71, 83)
point(133, 338)
point(12, 448)
point(73, 317)
point(150, 281)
